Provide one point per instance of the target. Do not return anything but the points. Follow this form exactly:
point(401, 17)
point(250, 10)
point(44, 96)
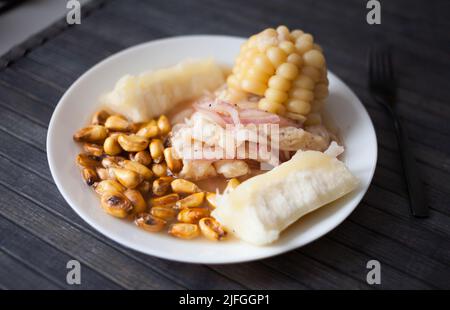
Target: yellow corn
point(184, 230)
point(184, 187)
point(192, 215)
point(194, 200)
point(282, 67)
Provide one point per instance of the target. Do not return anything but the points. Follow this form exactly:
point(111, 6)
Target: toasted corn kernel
point(111, 145)
point(100, 117)
point(93, 149)
point(105, 174)
point(150, 130)
point(134, 127)
point(192, 215)
point(109, 186)
point(149, 223)
point(116, 204)
point(183, 230)
point(145, 187)
point(165, 201)
point(112, 161)
point(142, 157)
point(159, 170)
point(128, 178)
point(194, 200)
point(157, 150)
point(165, 213)
point(211, 199)
point(211, 229)
point(91, 134)
point(133, 143)
point(88, 161)
point(117, 123)
point(163, 125)
point(146, 173)
point(184, 187)
point(161, 185)
point(174, 164)
point(231, 185)
point(90, 176)
point(136, 199)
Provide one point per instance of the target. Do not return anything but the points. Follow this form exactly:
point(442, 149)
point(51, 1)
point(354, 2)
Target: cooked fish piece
point(260, 208)
point(197, 170)
point(230, 168)
point(293, 139)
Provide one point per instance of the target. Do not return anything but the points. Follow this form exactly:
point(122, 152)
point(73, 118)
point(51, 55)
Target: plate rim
point(226, 260)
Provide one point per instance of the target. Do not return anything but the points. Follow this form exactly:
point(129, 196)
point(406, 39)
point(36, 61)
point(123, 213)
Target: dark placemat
point(40, 232)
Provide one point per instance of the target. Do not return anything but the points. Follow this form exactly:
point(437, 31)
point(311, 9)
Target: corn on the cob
point(286, 68)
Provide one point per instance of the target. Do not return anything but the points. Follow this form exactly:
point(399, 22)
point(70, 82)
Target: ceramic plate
point(80, 101)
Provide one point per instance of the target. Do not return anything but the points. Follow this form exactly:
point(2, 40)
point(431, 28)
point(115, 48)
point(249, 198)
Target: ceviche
point(201, 149)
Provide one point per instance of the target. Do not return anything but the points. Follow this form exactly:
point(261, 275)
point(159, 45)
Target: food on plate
point(286, 69)
point(199, 150)
point(260, 208)
point(147, 95)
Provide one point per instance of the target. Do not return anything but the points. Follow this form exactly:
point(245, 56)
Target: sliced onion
point(212, 116)
point(220, 107)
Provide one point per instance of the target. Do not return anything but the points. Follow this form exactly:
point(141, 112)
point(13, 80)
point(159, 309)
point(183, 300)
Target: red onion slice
point(212, 116)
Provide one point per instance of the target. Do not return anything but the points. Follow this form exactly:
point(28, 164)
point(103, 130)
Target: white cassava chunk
point(147, 95)
point(260, 208)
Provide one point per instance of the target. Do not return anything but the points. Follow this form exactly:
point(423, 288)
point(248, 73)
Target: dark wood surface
point(40, 232)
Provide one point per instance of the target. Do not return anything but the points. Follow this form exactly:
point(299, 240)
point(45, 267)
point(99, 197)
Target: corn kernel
point(276, 55)
point(295, 59)
point(287, 46)
point(263, 63)
point(303, 45)
point(255, 74)
point(298, 106)
point(283, 32)
point(311, 72)
point(303, 81)
point(275, 95)
point(254, 87)
point(279, 83)
point(288, 71)
point(296, 33)
point(307, 37)
point(302, 94)
point(314, 58)
point(269, 106)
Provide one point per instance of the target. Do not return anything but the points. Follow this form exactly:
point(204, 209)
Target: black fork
point(382, 86)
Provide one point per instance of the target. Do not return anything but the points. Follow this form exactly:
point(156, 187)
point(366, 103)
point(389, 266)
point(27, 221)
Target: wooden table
point(40, 232)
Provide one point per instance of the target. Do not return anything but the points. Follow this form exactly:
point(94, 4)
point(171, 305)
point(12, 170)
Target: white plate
point(79, 102)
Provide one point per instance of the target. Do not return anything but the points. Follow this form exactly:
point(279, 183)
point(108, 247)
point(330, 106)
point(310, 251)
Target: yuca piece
point(260, 208)
point(145, 96)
